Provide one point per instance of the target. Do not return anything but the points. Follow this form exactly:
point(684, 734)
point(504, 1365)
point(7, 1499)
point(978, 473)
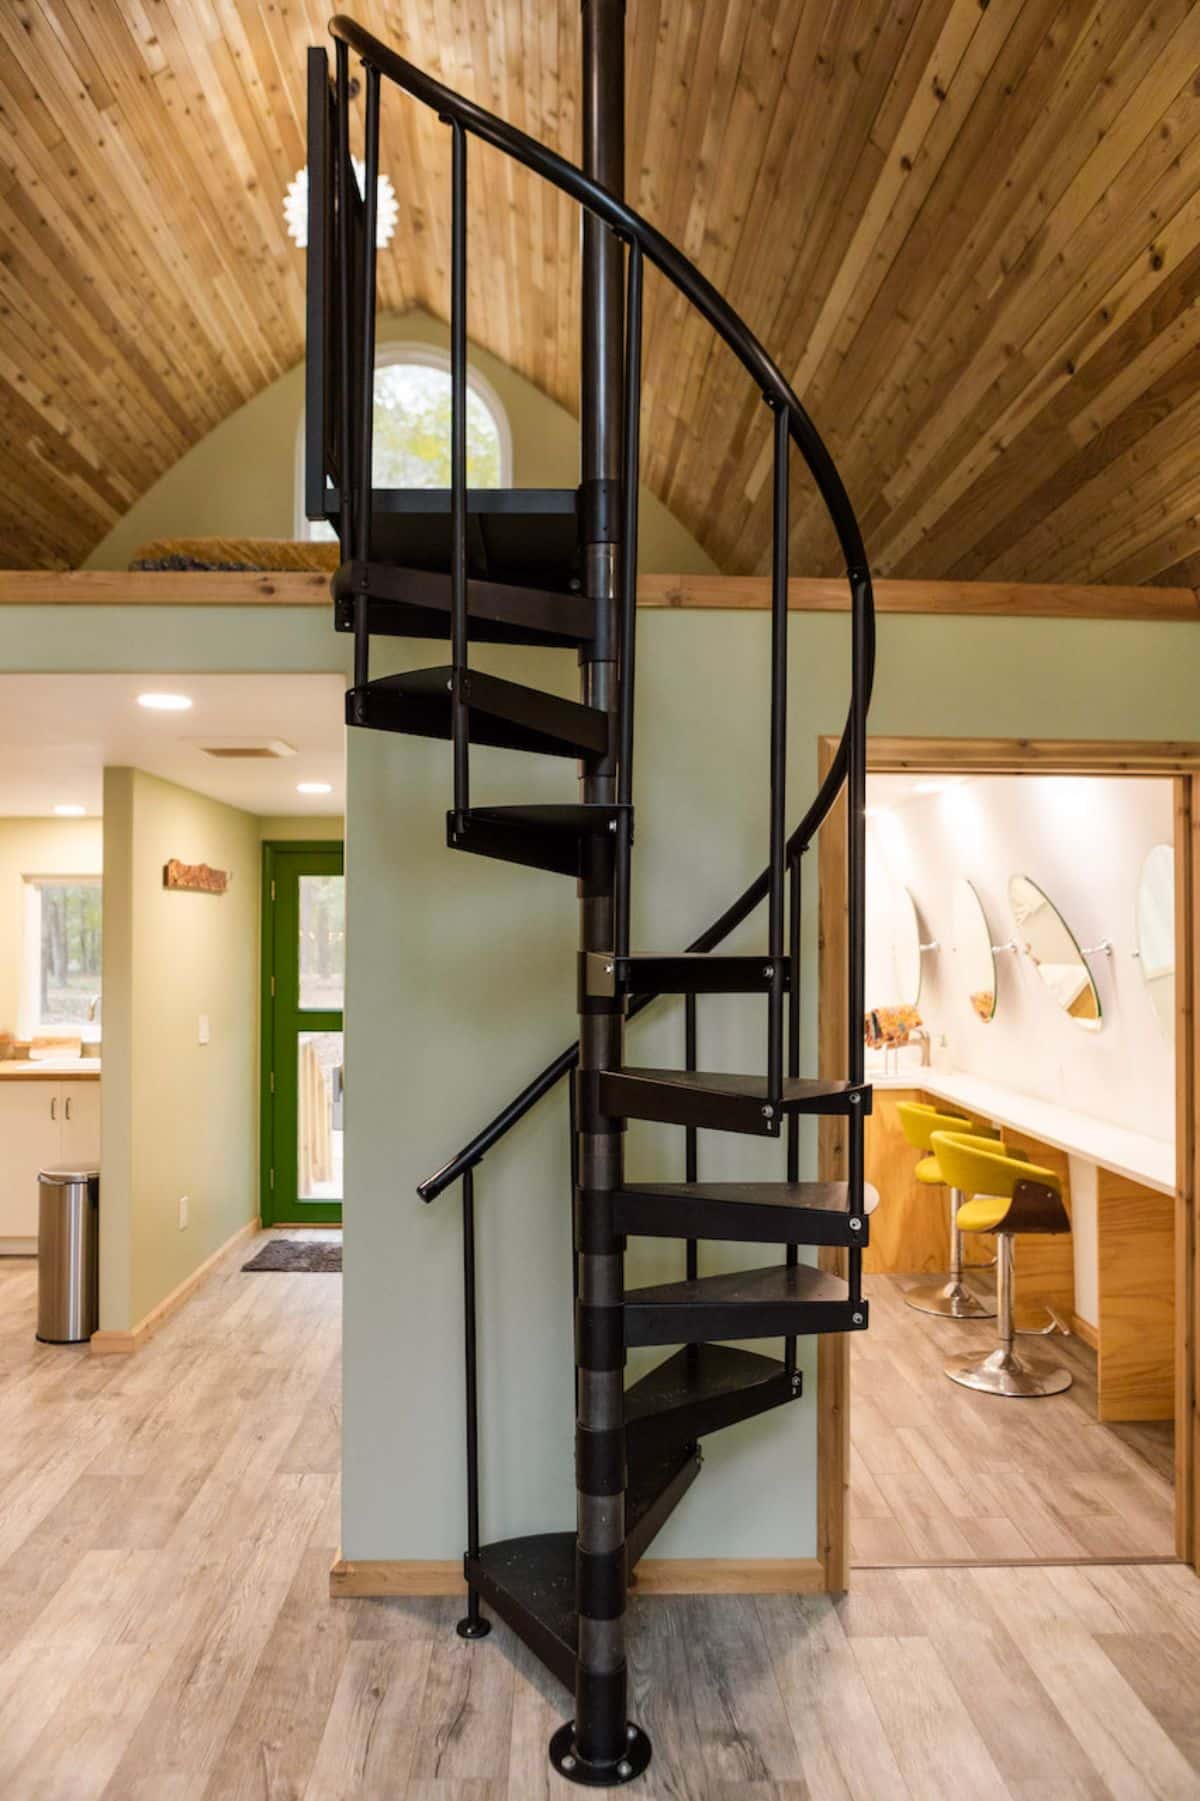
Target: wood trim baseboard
point(123, 1344)
point(1085, 1332)
point(381, 1578)
point(730, 593)
point(1048, 756)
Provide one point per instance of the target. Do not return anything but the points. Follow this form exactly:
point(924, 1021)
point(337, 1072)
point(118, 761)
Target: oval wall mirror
point(1156, 933)
point(1053, 949)
point(976, 959)
point(893, 975)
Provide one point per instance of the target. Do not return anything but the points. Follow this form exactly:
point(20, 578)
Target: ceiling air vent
point(249, 749)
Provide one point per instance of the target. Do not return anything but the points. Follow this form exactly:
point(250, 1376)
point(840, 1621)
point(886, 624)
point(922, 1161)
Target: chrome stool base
point(1005, 1373)
point(952, 1300)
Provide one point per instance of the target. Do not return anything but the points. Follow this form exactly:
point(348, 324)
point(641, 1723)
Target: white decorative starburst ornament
point(295, 206)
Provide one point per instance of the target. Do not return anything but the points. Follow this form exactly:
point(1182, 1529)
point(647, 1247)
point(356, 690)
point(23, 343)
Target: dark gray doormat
point(299, 1255)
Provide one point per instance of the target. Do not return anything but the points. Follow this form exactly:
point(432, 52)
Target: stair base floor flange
point(573, 1768)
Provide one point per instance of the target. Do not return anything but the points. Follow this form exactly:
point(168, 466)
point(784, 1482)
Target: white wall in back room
point(1083, 840)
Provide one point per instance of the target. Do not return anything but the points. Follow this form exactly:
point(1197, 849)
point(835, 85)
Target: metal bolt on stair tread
point(624, 1768)
point(768, 1112)
point(856, 1319)
point(568, 1763)
point(855, 1225)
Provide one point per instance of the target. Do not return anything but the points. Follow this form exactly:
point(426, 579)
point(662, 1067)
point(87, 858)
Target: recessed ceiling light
point(70, 810)
point(164, 703)
point(314, 787)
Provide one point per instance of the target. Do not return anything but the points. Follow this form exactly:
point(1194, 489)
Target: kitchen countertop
point(1148, 1161)
point(77, 1069)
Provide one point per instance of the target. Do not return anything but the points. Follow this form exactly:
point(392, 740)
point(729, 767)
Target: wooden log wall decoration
point(194, 878)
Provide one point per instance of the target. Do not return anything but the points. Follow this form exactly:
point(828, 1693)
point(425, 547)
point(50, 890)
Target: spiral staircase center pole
point(599, 1747)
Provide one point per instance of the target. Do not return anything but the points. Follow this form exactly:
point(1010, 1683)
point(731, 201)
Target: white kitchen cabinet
point(41, 1123)
point(79, 1115)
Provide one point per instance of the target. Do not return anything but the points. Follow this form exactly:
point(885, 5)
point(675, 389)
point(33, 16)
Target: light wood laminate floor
point(940, 1472)
point(167, 1523)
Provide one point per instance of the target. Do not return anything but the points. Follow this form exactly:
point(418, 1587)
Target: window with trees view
point(69, 950)
point(411, 432)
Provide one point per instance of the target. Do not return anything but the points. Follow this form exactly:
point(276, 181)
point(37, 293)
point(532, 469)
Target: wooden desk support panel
point(1136, 1350)
point(910, 1228)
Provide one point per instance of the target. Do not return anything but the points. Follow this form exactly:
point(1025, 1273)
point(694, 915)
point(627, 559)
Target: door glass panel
point(319, 1106)
point(322, 943)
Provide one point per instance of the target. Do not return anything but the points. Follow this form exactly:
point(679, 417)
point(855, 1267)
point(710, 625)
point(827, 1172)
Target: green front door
point(304, 958)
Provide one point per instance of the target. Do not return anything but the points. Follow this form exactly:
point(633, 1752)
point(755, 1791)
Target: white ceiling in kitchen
point(57, 733)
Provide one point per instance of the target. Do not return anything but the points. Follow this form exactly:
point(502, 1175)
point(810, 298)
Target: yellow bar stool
point(1009, 1195)
point(951, 1299)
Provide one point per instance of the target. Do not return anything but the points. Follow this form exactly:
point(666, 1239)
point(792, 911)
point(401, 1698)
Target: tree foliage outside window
point(412, 430)
point(70, 950)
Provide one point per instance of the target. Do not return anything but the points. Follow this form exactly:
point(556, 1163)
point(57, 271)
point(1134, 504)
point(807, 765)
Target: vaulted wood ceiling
point(969, 231)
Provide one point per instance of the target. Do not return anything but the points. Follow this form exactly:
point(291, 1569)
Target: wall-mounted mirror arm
point(933, 945)
point(1103, 949)
point(1012, 945)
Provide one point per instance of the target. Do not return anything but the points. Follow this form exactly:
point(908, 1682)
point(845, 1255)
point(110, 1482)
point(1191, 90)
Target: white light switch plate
point(203, 1034)
point(183, 1213)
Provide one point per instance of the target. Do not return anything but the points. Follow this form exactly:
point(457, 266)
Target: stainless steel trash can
point(68, 1254)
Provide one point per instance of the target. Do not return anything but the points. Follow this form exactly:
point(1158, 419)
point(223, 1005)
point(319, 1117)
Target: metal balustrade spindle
point(366, 373)
point(629, 563)
point(460, 724)
point(778, 815)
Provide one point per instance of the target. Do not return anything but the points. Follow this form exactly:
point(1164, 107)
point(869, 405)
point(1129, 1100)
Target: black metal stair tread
point(779, 1301)
point(545, 836)
point(723, 1103)
point(688, 972)
point(798, 1091)
point(513, 534)
point(744, 1288)
point(704, 1387)
point(754, 1212)
point(530, 1582)
point(407, 602)
point(500, 713)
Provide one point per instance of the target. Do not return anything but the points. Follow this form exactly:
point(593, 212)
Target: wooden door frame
point(1019, 756)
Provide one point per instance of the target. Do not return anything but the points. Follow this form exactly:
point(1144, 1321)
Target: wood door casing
point(1019, 757)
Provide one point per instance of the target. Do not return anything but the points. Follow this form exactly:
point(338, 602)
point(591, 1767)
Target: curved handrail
point(678, 269)
point(777, 392)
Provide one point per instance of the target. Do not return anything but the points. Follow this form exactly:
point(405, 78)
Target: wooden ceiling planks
point(968, 231)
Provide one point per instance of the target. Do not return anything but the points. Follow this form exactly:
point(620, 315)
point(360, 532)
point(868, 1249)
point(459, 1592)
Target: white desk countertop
point(1149, 1161)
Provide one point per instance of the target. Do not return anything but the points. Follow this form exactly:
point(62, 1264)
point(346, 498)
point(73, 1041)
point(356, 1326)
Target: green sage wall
point(461, 985)
point(240, 481)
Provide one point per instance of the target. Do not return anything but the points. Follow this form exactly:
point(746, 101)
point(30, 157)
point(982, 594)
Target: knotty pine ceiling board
point(970, 234)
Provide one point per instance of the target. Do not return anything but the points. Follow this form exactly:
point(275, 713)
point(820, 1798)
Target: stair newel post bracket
point(473, 1625)
point(460, 725)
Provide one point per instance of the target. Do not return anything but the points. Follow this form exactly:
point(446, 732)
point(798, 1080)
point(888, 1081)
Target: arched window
point(412, 429)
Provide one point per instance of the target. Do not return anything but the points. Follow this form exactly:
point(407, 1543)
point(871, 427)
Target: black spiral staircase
point(558, 568)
